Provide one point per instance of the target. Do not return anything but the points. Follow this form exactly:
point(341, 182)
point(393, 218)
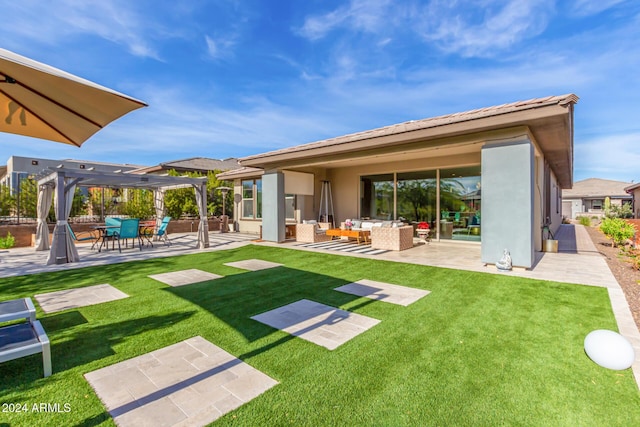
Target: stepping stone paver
point(253, 264)
point(184, 277)
point(191, 383)
point(394, 294)
point(318, 323)
point(79, 297)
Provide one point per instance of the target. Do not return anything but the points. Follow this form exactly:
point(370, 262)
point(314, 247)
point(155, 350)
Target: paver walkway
point(191, 383)
point(185, 277)
point(318, 323)
point(387, 292)
point(79, 297)
point(253, 264)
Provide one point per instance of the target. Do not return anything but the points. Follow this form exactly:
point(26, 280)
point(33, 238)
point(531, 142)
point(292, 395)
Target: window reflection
point(460, 199)
point(376, 196)
point(457, 213)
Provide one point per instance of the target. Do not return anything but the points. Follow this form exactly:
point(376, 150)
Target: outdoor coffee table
point(359, 235)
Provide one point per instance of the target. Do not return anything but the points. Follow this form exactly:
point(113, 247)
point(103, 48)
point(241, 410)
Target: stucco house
point(633, 190)
point(587, 197)
point(505, 164)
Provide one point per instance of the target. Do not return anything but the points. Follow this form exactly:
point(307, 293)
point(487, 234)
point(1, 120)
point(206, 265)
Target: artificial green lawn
point(480, 349)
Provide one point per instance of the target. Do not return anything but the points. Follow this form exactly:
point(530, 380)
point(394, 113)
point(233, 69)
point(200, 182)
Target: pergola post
point(60, 231)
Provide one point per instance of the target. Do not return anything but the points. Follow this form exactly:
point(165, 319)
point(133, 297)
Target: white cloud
point(219, 48)
point(592, 7)
point(468, 28)
point(360, 15)
point(119, 21)
point(484, 29)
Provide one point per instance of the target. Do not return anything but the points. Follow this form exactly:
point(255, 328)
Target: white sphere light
point(609, 349)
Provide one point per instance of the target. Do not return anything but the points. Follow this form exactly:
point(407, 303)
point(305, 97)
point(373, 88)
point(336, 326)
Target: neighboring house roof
point(597, 188)
point(195, 164)
point(549, 119)
point(632, 187)
point(243, 172)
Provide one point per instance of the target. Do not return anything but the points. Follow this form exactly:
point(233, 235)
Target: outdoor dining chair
point(83, 236)
point(162, 234)
point(129, 229)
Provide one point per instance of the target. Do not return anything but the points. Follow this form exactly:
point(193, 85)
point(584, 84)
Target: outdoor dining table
point(104, 235)
point(146, 230)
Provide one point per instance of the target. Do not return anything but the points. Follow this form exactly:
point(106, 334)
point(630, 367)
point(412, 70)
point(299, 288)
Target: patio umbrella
point(44, 102)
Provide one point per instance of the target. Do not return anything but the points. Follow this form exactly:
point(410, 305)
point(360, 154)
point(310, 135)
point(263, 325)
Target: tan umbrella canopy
point(44, 102)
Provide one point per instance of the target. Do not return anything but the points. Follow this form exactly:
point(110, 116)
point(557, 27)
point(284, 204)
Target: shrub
point(8, 241)
point(618, 230)
point(584, 220)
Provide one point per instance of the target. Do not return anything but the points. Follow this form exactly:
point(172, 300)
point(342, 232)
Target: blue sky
point(227, 78)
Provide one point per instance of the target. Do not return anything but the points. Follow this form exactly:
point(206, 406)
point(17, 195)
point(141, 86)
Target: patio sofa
point(311, 231)
point(392, 238)
point(387, 235)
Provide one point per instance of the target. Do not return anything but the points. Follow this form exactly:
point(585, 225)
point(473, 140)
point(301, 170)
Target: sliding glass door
point(417, 195)
point(376, 196)
point(460, 203)
point(449, 199)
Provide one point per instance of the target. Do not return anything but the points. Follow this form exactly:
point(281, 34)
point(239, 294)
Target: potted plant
point(423, 230)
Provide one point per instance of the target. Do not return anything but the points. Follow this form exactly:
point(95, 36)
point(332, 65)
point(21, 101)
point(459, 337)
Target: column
point(508, 201)
point(273, 208)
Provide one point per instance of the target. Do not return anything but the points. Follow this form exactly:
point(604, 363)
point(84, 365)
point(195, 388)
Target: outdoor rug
point(253, 264)
point(191, 383)
point(80, 297)
point(394, 294)
point(184, 277)
point(344, 246)
point(318, 323)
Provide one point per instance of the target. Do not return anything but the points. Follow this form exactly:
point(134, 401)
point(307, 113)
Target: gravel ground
point(625, 274)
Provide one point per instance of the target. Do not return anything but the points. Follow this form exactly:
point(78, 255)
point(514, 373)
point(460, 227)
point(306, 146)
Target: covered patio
point(63, 183)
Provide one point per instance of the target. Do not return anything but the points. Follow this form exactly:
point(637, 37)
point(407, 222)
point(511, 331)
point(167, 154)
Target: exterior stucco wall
point(273, 211)
point(508, 202)
point(636, 202)
point(556, 204)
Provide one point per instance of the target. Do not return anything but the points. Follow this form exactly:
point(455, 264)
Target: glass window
point(247, 199)
point(417, 197)
point(376, 196)
point(290, 206)
point(258, 203)
point(252, 198)
point(460, 202)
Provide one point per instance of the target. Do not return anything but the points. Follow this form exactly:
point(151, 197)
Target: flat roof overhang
point(550, 124)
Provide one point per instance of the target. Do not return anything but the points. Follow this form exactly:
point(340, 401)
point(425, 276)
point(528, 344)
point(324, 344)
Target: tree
point(27, 199)
point(139, 204)
point(79, 204)
point(182, 201)
point(7, 201)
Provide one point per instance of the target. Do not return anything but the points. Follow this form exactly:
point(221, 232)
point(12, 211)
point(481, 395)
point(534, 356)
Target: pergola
point(63, 183)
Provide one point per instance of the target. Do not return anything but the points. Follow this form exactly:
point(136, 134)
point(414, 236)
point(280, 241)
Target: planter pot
point(550, 246)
